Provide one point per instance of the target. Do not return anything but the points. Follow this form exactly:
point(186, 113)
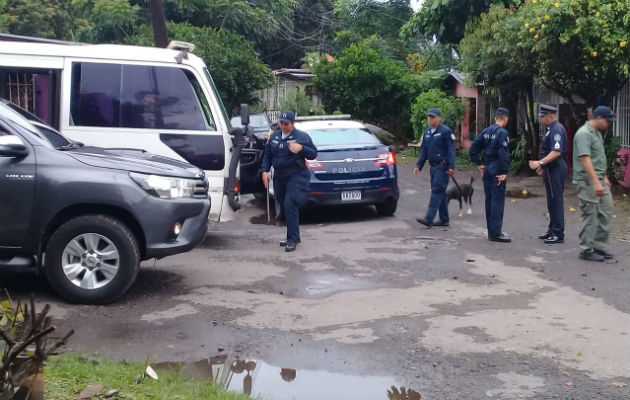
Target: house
point(288, 80)
point(476, 116)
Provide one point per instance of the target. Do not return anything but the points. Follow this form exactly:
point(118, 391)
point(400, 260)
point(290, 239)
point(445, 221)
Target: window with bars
point(19, 89)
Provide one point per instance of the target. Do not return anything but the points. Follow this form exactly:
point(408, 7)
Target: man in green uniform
point(589, 173)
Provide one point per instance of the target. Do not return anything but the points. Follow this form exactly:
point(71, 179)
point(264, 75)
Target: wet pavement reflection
point(259, 379)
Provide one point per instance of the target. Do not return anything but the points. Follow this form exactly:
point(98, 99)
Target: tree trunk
point(158, 21)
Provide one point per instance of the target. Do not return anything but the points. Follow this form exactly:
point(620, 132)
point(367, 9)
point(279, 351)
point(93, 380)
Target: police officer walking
point(493, 143)
point(438, 147)
point(552, 165)
point(286, 150)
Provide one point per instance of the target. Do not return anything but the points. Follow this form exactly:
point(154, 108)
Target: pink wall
point(624, 154)
point(463, 91)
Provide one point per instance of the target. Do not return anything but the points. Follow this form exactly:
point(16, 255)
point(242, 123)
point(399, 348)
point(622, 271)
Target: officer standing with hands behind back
point(438, 147)
point(286, 150)
point(552, 165)
point(493, 142)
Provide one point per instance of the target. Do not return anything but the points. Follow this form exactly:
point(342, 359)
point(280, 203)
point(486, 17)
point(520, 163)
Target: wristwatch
point(541, 163)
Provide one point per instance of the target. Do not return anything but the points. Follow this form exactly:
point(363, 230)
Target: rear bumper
point(368, 196)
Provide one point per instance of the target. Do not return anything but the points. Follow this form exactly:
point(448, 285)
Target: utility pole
point(158, 21)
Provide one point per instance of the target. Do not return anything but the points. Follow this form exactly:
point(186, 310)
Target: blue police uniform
point(438, 147)
point(494, 142)
point(554, 174)
point(291, 177)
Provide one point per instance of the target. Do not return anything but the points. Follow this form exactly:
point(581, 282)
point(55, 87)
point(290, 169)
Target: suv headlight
point(165, 187)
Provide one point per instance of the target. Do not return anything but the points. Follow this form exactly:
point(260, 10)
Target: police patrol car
point(352, 167)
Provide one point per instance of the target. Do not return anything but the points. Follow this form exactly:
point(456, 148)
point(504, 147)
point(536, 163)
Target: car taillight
point(388, 158)
point(314, 164)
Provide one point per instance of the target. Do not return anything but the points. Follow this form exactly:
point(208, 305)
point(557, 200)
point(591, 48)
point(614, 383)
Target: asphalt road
point(369, 302)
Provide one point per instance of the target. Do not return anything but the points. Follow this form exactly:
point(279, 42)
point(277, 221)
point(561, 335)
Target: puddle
point(261, 380)
point(520, 194)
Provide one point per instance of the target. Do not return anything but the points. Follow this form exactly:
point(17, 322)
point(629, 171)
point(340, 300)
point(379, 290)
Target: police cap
point(434, 112)
point(287, 116)
point(502, 112)
point(544, 109)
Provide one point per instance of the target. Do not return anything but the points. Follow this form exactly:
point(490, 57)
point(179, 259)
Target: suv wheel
point(92, 259)
point(387, 208)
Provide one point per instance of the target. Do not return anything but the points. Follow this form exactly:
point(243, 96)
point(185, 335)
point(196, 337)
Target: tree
point(446, 19)
point(106, 21)
point(580, 46)
point(231, 59)
point(39, 18)
point(452, 110)
point(371, 87)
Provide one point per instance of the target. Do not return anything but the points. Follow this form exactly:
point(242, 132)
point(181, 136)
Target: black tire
point(388, 208)
point(114, 231)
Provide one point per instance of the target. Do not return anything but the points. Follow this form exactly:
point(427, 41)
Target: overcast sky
point(416, 4)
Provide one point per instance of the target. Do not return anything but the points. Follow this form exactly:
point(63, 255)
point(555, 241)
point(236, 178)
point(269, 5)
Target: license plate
point(351, 195)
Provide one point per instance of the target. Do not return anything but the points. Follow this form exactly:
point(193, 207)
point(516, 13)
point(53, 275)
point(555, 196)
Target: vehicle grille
point(201, 189)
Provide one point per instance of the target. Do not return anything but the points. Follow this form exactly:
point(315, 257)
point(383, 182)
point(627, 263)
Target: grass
point(67, 375)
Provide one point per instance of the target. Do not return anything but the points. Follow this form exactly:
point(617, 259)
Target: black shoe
point(546, 235)
point(283, 243)
point(290, 247)
point(604, 254)
point(424, 222)
point(500, 239)
point(440, 224)
point(554, 239)
point(591, 256)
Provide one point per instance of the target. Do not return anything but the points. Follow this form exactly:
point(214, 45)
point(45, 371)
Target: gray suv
point(86, 215)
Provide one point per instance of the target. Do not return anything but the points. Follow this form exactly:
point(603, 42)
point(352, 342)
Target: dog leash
point(456, 185)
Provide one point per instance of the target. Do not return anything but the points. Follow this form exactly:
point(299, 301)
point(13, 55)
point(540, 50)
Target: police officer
point(493, 142)
point(552, 164)
point(438, 146)
point(286, 150)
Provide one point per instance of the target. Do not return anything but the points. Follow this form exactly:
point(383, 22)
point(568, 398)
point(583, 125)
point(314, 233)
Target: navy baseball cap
point(502, 112)
point(544, 109)
point(604, 112)
point(434, 112)
point(287, 116)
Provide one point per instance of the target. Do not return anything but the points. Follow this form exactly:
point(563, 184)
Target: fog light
point(177, 228)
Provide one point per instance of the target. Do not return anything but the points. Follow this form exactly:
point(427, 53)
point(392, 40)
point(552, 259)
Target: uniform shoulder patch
point(557, 146)
point(505, 143)
point(453, 136)
point(557, 137)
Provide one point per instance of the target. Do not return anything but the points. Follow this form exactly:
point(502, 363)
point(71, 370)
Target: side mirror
point(12, 146)
point(244, 114)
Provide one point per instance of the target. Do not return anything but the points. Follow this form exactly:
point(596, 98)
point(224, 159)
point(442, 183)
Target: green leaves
point(452, 110)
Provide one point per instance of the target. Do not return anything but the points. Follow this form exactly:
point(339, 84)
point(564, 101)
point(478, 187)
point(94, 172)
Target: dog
point(462, 193)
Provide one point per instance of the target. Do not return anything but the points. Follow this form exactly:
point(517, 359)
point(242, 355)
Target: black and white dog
point(462, 193)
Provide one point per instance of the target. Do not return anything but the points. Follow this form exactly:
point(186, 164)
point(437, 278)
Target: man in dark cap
point(589, 173)
point(552, 164)
point(438, 147)
point(493, 144)
point(286, 150)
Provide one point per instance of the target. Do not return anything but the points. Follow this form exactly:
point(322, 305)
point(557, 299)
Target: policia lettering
point(552, 165)
point(493, 144)
point(286, 150)
point(438, 147)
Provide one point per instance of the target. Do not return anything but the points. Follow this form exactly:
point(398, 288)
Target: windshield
point(216, 95)
point(34, 125)
point(255, 121)
point(327, 137)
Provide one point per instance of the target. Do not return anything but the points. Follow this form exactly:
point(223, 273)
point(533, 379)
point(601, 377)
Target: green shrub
point(452, 110)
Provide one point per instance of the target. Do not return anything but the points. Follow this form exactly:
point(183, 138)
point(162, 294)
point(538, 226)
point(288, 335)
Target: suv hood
point(134, 160)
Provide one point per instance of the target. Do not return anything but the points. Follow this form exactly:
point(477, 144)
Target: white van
point(160, 100)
